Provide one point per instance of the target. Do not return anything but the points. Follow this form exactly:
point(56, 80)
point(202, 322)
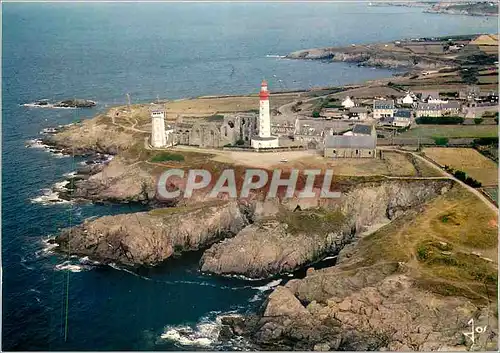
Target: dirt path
point(446, 175)
point(131, 128)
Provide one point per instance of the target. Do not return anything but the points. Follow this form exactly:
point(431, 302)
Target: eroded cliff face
point(148, 238)
point(386, 292)
point(119, 182)
point(379, 309)
point(355, 308)
point(283, 240)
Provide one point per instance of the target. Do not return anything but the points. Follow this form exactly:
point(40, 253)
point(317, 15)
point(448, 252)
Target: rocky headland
point(415, 55)
point(414, 254)
point(375, 56)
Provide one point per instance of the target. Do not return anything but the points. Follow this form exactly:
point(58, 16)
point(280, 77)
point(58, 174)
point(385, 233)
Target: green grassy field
point(451, 131)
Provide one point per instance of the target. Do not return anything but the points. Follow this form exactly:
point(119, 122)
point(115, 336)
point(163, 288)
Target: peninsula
point(416, 244)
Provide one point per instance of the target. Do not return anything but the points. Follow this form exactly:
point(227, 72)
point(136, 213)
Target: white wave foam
point(61, 186)
point(329, 258)
point(36, 143)
point(86, 261)
point(69, 174)
point(263, 289)
point(69, 266)
point(48, 130)
point(48, 105)
point(268, 286)
point(49, 197)
point(275, 56)
point(204, 334)
point(47, 248)
point(116, 267)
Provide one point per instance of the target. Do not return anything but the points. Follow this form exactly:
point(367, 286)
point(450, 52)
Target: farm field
point(468, 160)
point(452, 131)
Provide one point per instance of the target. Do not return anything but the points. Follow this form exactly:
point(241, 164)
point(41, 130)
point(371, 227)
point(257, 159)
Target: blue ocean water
point(101, 52)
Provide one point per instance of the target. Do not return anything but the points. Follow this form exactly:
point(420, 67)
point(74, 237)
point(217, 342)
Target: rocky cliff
point(118, 181)
point(397, 289)
point(148, 238)
point(375, 309)
point(289, 238)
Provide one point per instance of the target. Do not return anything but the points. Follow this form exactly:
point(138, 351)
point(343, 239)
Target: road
point(433, 165)
point(286, 109)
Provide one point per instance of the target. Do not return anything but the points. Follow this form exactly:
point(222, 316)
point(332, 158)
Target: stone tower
point(158, 136)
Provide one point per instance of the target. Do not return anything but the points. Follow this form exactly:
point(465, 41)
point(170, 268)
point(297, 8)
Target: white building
point(158, 134)
point(264, 139)
point(433, 98)
point(429, 109)
point(407, 99)
point(383, 109)
point(402, 118)
point(348, 102)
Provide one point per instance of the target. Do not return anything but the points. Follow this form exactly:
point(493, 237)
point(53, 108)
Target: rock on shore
point(75, 103)
point(352, 308)
point(148, 238)
point(118, 182)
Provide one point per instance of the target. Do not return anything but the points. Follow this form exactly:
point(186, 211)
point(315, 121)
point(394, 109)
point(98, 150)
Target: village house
point(428, 109)
point(364, 130)
point(383, 109)
point(402, 118)
point(332, 113)
point(469, 93)
point(407, 100)
point(348, 102)
point(433, 98)
point(341, 146)
point(451, 108)
point(358, 113)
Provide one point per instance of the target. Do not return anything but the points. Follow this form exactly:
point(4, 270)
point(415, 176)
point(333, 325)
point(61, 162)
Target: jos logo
point(475, 330)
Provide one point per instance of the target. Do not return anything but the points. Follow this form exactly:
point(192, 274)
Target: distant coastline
point(451, 8)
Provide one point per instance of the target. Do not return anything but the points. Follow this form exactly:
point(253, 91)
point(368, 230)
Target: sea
point(102, 51)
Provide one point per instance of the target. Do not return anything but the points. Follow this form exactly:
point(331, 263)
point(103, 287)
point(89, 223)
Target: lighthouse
point(158, 135)
point(264, 139)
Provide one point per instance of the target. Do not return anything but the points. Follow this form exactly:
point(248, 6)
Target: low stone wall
point(413, 141)
point(278, 149)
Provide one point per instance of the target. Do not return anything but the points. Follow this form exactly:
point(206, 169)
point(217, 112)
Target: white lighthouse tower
point(158, 135)
point(265, 139)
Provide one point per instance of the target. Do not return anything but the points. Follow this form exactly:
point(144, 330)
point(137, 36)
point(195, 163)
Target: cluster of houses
point(399, 112)
point(361, 140)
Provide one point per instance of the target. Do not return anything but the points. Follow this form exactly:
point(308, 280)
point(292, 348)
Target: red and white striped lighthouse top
point(264, 93)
